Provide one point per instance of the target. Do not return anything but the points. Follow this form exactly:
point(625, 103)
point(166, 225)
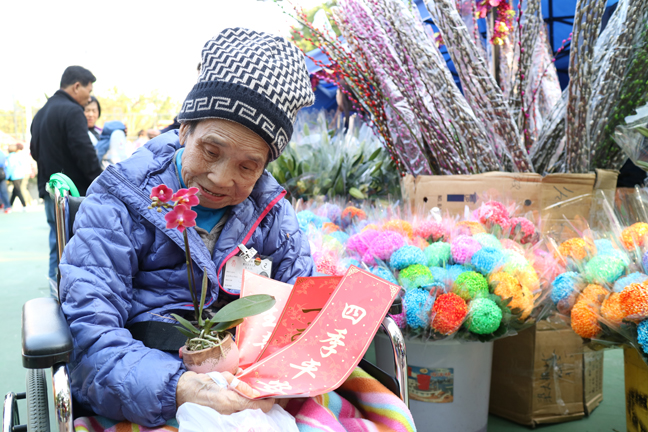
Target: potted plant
point(210, 346)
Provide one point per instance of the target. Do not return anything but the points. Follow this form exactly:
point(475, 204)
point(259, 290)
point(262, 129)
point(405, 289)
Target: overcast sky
point(136, 45)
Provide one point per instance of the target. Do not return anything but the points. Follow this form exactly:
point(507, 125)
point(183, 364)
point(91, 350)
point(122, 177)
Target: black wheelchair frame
point(47, 343)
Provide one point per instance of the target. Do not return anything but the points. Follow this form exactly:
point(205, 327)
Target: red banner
point(253, 333)
point(332, 346)
point(306, 300)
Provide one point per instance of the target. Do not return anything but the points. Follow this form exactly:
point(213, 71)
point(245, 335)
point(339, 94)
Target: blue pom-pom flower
point(564, 286)
point(455, 270)
point(382, 272)
point(418, 303)
point(632, 278)
point(642, 335)
point(406, 256)
point(487, 260)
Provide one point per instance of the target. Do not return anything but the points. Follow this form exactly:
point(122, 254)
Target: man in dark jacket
point(60, 143)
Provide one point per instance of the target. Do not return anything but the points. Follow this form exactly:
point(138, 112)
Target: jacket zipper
point(247, 237)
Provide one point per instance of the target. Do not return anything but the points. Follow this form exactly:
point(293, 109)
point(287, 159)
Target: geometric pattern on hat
point(253, 78)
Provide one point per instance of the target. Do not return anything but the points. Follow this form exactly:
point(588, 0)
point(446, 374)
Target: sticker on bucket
point(430, 385)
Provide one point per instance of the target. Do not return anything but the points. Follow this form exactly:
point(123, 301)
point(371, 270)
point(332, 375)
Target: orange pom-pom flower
point(611, 309)
point(508, 287)
point(593, 294)
point(634, 235)
point(400, 226)
point(575, 248)
point(470, 228)
point(584, 320)
point(634, 301)
point(449, 312)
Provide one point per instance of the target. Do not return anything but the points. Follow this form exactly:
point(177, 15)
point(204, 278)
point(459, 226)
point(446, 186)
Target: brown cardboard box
point(542, 376)
point(636, 387)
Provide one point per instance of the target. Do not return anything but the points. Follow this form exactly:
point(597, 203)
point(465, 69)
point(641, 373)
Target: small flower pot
point(223, 358)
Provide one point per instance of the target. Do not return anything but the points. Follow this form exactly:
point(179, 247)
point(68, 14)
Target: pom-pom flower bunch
point(467, 279)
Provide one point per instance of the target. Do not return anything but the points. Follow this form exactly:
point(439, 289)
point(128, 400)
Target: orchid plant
point(207, 333)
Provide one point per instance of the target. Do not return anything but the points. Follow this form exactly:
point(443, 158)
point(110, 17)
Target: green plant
point(323, 159)
point(210, 332)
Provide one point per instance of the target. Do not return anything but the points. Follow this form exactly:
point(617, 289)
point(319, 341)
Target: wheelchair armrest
point(46, 337)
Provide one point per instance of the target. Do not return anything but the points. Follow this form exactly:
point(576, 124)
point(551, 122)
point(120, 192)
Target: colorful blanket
point(361, 404)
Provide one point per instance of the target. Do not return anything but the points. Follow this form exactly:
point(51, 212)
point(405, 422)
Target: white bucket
point(449, 382)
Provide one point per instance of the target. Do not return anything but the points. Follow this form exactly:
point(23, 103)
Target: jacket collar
point(63, 93)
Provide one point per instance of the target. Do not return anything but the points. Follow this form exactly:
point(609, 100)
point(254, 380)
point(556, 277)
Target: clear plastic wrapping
point(614, 53)
point(632, 137)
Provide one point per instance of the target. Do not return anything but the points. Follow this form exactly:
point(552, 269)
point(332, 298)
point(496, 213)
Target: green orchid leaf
point(186, 324)
point(203, 294)
point(244, 307)
point(642, 130)
point(185, 332)
point(221, 327)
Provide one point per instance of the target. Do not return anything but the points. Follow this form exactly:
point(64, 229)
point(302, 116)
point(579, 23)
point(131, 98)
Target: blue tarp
point(558, 14)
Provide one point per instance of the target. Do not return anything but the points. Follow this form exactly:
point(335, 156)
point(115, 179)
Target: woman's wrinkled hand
point(202, 390)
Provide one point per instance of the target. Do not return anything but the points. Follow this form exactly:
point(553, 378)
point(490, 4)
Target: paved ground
point(23, 270)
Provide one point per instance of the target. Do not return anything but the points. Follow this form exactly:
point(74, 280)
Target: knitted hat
point(251, 78)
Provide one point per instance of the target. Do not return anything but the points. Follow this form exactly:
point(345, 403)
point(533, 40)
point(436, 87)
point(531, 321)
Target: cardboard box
point(543, 376)
point(554, 199)
point(636, 387)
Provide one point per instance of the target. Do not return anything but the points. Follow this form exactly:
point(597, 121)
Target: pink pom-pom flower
point(360, 242)
point(384, 244)
point(493, 213)
point(463, 248)
point(429, 230)
point(523, 229)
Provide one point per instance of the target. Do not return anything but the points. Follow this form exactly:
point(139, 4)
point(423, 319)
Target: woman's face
point(223, 160)
point(92, 114)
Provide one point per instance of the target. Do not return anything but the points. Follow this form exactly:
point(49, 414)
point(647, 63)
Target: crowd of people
point(76, 146)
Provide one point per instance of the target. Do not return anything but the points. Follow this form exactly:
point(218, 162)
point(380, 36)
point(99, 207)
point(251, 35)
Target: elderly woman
point(123, 267)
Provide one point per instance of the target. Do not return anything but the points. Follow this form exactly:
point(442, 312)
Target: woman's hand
point(202, 390)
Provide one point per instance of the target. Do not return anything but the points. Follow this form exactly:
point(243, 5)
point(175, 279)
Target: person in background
point(141, 140)
point(92, 112)
point(4, 194)
point(113, 147)
point(15, 174)
point(152, 133)
point(60, 143)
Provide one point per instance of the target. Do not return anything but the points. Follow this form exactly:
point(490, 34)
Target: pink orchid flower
point(181, 217)
point(186, 197)
point(162, 193)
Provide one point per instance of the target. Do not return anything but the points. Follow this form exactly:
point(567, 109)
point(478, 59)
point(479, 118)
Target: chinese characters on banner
point(253, 333)
point(332, 346)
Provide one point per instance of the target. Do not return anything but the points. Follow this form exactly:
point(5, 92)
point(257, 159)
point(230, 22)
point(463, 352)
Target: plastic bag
point(633, 137)
point(197, 418)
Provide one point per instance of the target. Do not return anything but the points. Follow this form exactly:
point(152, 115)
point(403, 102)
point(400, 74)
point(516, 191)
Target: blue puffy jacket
point(123, 266)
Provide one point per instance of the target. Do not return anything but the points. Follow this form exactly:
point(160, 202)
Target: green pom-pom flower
point(488, 240)
point(470, 285)
point(415, 276)
point(437, 254)
point(604, 269)
point(484, 316)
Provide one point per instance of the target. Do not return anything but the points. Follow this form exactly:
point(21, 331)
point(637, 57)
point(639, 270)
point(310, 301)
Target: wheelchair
point(47, 343)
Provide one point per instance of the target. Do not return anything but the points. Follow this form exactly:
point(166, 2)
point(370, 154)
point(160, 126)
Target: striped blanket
point(361, 404)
